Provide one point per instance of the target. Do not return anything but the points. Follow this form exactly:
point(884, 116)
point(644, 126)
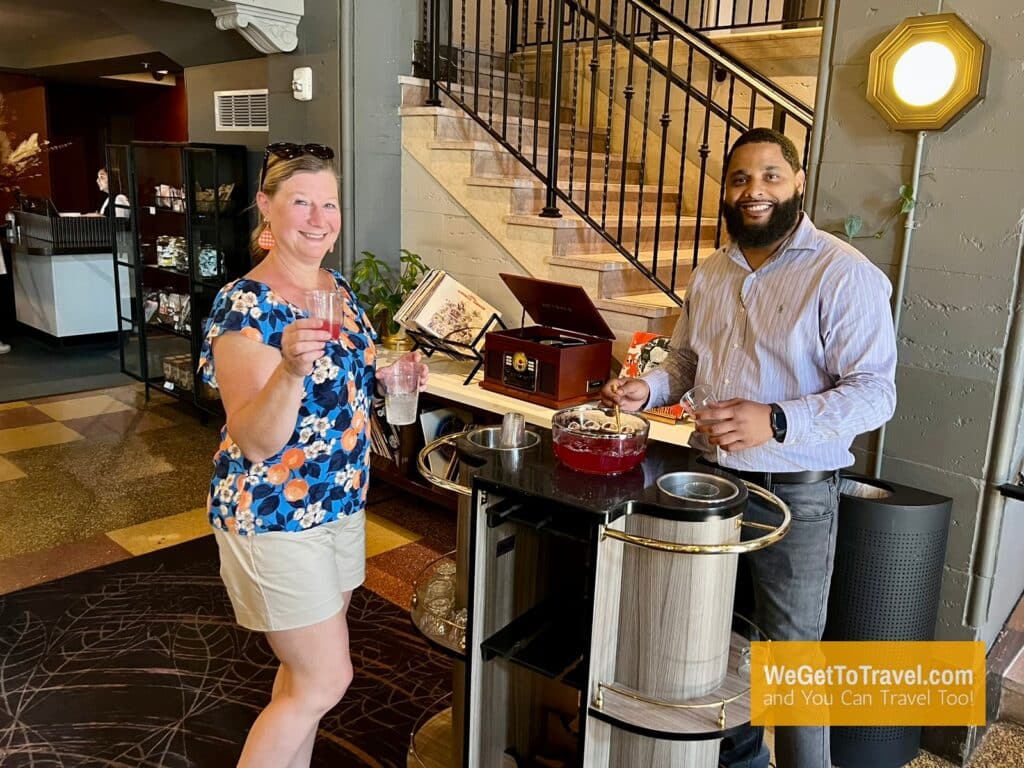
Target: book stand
point(457, 349)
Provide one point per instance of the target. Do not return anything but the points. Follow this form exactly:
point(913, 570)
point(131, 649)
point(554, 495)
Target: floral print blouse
point(321, 474)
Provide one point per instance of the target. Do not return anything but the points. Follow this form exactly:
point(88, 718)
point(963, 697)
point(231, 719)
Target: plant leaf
point(852, 226)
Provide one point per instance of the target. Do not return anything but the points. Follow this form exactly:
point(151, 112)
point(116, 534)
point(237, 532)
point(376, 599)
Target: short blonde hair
point(277, 173)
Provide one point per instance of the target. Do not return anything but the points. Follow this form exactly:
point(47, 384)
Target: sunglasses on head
point(286, 150)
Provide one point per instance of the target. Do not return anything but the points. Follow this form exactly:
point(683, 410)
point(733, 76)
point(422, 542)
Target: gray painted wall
point(963, 264)
point(200, 84)
point(384, 33)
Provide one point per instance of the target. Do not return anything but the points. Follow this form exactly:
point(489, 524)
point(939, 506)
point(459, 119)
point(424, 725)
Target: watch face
point(778, 422)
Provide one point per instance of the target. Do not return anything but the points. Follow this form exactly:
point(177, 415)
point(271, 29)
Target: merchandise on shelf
point(171, 252)
point(178, 371)
point(210, 261)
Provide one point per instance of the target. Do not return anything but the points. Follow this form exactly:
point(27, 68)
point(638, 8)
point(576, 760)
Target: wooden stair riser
point(588, 240)
point(505, 164)
point(465, 128)
point(613, 283)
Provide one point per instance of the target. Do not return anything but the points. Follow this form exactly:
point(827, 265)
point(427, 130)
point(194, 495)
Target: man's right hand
point(628, 394)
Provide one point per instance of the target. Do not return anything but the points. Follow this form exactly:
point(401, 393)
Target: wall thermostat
point(302, 83)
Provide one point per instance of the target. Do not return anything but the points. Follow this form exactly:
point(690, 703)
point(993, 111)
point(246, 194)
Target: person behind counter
point(290, 478)
point(793, 327)
point(122, 208)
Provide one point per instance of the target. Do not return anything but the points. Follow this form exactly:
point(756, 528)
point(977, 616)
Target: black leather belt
point(767, 479)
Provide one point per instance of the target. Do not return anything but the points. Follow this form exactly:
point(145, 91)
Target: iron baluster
point(462, 52)
point(608, 123)
point(490, 73)
point(704, 151)
point(627, 93)
point(666, 122)
point(572, 101)
point(725, 153)
point(539, 23)
point(505, 65)
point(522, 76)
point(682, 166)
point(449, 60)
point(594, 66)
point(476, 61)
point(550, 205)
point(651, 36)
point(433, 94)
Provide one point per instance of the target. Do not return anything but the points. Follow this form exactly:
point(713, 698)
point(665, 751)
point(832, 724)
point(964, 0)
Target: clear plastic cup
point(329, 308)
point(401, 382)
point(697, 399)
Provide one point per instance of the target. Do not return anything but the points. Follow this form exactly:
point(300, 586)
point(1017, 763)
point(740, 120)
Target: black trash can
point(890, 550)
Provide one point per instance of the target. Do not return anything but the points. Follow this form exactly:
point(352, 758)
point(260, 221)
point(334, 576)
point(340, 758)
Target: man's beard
point(782, 220)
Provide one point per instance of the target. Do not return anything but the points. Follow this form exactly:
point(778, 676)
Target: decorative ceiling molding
point(270, 26)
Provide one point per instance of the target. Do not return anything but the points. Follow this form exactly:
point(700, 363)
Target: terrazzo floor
point(103, 476)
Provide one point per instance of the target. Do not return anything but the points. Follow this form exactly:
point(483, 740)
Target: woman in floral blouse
point(290, 479)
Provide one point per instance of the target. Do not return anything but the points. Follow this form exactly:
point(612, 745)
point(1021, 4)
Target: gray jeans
point(791, 581)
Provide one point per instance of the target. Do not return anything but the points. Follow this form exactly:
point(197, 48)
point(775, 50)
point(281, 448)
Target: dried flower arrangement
point(21, 162)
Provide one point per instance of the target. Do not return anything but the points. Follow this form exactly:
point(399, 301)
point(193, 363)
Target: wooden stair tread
point(535, 183)
point(613, 261)
point(570, 220)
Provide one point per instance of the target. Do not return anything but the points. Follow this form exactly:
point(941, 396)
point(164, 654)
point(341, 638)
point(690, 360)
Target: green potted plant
point(382, 292)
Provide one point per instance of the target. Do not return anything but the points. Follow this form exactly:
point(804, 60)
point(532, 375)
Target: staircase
point(642, 127)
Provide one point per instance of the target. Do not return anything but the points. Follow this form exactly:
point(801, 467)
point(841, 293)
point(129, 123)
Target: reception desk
point(67, 290)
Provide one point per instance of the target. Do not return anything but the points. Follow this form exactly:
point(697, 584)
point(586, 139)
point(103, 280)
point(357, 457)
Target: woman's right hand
point(302, 344)
point(628, 394)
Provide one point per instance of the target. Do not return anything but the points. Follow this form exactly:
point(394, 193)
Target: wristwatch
point(778, 421)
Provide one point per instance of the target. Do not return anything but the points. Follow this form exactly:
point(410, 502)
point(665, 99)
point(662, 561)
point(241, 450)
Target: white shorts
point(282, 580)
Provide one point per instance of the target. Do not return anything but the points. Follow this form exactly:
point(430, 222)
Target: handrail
point(636, 142)
point(755, 81)
point(732, 65)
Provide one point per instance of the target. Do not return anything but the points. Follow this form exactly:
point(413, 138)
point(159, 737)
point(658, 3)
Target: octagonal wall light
point(927, 72)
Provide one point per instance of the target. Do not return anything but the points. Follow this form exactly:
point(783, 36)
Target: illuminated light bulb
point(924, 74)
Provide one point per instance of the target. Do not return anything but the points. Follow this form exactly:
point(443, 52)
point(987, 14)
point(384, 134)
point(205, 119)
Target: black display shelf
point(548, 639)
point(161, 385)
point(168, 329)
point(137, 170)
point(168, 270)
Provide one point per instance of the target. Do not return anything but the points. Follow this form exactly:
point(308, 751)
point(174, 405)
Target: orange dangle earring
point(266, 239)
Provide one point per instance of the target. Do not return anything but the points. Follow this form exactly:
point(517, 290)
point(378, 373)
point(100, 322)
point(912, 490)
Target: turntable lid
point(558, 305)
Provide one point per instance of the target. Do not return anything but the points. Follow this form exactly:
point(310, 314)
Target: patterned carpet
point(140, 664)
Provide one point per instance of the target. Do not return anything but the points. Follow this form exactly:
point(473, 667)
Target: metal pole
point(999, 469)
point(433, 95)
point(813, 161)
point(901, 279)
point(550, 208)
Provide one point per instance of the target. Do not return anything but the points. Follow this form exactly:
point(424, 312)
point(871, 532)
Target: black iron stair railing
point(626, 97)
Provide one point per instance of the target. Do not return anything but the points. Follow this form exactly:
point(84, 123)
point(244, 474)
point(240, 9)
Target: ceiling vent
point(242, 110)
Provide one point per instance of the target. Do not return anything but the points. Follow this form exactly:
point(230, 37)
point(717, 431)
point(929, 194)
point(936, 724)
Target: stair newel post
point(550, 208)
point(434, 95)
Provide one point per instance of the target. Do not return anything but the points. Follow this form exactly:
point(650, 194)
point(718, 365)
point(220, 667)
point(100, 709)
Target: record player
point(563, 360)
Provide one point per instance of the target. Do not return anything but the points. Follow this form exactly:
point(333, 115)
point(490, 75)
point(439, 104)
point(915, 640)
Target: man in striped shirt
point(791, 329)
